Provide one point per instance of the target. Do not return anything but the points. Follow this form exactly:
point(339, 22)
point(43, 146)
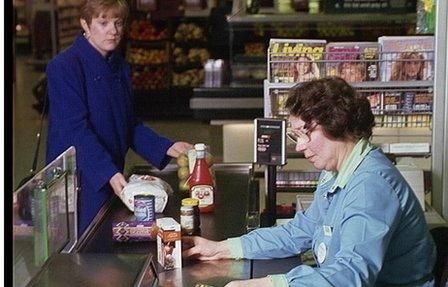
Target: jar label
point(187, 222)
point(204, 193)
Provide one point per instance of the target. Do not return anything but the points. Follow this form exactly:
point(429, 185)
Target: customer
point(365, 225)
point(91, 108)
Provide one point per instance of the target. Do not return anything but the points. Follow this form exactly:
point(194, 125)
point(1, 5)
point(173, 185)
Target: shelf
point(250, 59)
point(293, 154)
point(295, 189)
point(197, 13)
point(150, 66)
point(182, 68)
point(193, 43)
point(149, 43)
point(370, 86)
point(231, 91)
point(237, 19)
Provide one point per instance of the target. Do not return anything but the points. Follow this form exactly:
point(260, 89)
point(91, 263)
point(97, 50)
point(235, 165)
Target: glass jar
point(189, 216)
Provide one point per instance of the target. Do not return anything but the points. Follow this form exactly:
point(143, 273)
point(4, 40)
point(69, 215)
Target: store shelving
point(173, 49)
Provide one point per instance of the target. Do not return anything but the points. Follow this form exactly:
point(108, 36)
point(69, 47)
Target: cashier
point(91, 108)
point(365, 226)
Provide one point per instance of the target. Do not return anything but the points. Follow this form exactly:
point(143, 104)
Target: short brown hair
point(94, 8)
point(332, 103)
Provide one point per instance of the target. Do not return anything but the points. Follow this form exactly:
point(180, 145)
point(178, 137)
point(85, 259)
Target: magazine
point(375, 100)
point(275, 101)
point(407, 58)
point(295, 60)
point(353, 61)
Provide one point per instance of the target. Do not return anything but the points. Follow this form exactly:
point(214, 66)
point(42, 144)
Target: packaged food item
point(133, 231)
point(146, 185)
point(144, 207)
point(169, 250)
point(201, 181)
point(190, 220)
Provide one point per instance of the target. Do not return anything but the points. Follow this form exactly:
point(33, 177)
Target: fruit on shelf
point(188, 31)
point(141, 56)
point(144, 30)
point(193, 56)
point(254, 49)
point(155, 79)
point(189, 78)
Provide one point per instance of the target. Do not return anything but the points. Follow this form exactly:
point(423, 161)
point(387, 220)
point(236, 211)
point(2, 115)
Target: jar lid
point(190, 201)
point(199, 146)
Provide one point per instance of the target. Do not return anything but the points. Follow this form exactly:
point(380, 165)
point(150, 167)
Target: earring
point(87, 35)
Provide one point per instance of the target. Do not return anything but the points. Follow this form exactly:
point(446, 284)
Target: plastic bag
point(146, 185)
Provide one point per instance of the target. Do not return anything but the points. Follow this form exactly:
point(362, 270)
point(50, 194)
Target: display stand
point(270, 150)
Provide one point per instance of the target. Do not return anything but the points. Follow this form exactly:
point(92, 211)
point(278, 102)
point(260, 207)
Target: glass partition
point(44, 217)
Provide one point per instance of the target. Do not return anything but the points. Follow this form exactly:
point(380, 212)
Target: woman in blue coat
point(365, 226)
point(91, 108)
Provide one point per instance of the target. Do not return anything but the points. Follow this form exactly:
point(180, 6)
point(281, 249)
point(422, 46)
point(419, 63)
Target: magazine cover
point(295, 60)
point(407, 58)
point(275, 101)
point(376, 101)
point(353, 61)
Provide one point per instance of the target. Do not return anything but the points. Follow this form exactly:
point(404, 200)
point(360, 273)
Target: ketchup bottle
point(201, 181)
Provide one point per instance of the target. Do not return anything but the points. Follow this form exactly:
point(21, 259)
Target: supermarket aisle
point(27, 121)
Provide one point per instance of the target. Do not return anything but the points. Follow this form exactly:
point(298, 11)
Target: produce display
point(189, 78)
point(190, 56)
point(150, 79)
point(254, 49)
point(142, 56)
point(144, 30)
point(189, 31)
point(166, 55)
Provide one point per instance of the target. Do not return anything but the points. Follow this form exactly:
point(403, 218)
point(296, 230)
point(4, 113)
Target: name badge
point(328, 230)
point(321, 253)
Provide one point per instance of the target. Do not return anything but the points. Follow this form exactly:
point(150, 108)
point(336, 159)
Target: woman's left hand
point(178, 148)
point(258, 282)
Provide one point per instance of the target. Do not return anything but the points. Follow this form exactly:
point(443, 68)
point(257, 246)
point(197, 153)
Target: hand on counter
point(258, 282)
point(178, 148)
point(118, 182)
point(204, 249)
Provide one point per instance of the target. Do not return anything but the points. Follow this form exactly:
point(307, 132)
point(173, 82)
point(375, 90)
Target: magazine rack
point(395, 101)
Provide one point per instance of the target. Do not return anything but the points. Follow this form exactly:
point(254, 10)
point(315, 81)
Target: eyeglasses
point(298, 136)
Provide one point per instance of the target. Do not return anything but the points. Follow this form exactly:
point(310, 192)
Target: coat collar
point(107, 65)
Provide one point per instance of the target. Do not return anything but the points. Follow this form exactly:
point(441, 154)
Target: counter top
point(99, 261)
point(228, 220)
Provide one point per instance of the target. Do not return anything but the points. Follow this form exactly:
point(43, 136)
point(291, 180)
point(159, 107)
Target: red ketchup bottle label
point(201, 181)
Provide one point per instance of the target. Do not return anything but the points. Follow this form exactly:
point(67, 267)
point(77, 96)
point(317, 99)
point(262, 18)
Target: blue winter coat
point(91, 108)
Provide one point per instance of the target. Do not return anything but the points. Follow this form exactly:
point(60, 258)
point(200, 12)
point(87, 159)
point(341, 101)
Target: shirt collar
point(361, 149)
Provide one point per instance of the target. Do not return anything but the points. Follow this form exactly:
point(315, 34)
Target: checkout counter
point(63, 258)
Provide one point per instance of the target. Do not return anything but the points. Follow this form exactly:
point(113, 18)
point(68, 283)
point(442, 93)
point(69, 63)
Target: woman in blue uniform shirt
point(91, 108)
point(365, 225)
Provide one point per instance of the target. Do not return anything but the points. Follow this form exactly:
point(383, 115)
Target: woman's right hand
point(204, 249)
point(118, 182)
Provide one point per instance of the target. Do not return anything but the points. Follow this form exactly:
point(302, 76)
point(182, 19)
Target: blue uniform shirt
point(91, 108)
point(365, 227)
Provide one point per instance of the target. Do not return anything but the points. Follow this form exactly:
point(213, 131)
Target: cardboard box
point(133, 231)
point(169, 250)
